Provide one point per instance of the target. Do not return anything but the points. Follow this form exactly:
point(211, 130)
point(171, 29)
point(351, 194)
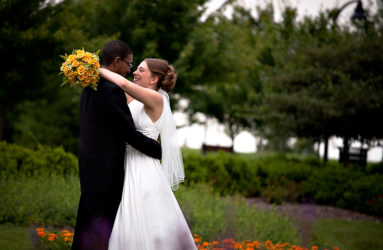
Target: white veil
point(171, 153)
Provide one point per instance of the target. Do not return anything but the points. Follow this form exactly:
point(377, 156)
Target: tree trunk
point(346, 151)
point(2, 123)
point(232, 136)
point(317, 149)
point(325, 152)
point(260, 147)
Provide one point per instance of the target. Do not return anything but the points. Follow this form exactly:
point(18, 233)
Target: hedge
point(17, 160)
point(276, 178)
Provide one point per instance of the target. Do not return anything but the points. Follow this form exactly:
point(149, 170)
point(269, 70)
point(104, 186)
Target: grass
point(14, 237)
point(348, 235)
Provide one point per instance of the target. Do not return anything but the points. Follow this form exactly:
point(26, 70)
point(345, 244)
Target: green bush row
point(276, 178)
point(281, 178)
point(346, 188)
point(17, 160)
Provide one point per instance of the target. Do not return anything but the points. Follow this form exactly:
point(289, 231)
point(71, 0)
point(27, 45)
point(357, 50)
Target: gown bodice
point(143, 122)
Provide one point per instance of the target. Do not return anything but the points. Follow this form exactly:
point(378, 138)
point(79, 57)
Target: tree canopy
point(294, 78)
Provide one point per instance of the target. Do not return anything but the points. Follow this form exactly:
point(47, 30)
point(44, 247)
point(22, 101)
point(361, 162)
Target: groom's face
point(123, 67)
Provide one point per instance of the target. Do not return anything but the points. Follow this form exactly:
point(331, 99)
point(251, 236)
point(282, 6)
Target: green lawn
point(348, 235)
point(14, 237)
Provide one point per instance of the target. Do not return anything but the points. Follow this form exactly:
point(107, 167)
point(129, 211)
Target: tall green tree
point(217, 69)
point(24, 46)
point(33, 109)
point(330, 83)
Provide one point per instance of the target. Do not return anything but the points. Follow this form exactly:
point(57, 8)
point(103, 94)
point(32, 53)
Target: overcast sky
point(304, 7)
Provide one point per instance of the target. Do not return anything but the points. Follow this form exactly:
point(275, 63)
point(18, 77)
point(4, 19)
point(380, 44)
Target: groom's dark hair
point(113, 49)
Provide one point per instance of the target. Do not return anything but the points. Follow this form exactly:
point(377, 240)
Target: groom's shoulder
point(107, 86)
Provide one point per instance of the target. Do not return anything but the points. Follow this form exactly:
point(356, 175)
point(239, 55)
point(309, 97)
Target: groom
point(106, 125)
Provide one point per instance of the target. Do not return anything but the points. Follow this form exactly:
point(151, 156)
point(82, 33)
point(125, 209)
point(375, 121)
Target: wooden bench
point(356, 155)
point(211, 148)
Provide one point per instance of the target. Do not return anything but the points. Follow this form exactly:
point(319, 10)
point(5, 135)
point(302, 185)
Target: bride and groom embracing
point(126, 191)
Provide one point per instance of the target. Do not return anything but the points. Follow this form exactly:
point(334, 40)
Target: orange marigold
point(52, 237)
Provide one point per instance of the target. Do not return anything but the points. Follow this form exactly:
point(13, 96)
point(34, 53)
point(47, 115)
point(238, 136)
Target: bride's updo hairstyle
point(165, 73)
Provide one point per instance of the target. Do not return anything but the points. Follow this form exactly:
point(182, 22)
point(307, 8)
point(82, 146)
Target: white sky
point(213, 134)
point(304, 7)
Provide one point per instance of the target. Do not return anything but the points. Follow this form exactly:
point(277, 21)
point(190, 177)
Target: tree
point(331, 83)
point(35, 33)
point(217, 69)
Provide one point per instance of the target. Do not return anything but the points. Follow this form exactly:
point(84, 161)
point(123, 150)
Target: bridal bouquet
point(81, 68)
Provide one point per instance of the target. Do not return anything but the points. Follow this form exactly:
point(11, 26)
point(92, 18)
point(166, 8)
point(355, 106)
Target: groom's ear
point(116, 61)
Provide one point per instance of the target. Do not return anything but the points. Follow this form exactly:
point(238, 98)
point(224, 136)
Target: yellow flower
point(81, 70)
point(93, 80)
point(81, 77)
point(70, 59)
point(75, 63)
point(80, 53)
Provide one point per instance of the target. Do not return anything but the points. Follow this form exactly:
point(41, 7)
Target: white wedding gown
point(149, 216)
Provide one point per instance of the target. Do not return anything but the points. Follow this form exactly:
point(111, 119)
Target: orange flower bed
point(58, 240)
point(227, 244)
point(65, 237)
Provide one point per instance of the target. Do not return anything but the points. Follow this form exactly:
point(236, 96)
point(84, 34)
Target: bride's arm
point(150, 98)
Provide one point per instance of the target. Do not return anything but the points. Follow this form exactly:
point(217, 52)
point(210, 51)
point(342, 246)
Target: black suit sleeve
point(118, 104)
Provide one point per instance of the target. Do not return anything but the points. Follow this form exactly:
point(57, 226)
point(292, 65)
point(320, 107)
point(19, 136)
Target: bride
point(149, 216)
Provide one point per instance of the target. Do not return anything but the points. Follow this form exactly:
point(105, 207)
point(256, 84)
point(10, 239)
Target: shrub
point(216, 218)
point(227, 174)
point(53, 202)
point(16, 160)
point(39, 200)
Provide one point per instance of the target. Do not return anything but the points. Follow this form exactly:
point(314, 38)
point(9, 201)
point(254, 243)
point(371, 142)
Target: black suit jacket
point(106, 125)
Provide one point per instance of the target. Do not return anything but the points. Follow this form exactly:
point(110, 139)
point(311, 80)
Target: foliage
point(281, 178)
point(326, 81)
point(32, 107)
point(215, 218)
point(39, 200)
point(45, 161)
point(223, 77)
point(46, 123)
point(226, 173)
point(276, 178)
point(53, 201)
point(346, 188)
